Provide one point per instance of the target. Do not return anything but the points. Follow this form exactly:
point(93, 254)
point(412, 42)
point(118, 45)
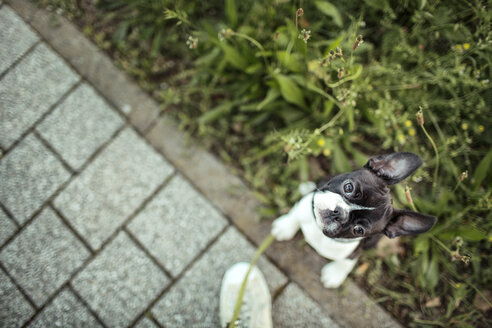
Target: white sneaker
point(256, 311)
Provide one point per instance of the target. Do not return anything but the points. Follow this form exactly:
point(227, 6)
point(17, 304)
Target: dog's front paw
point(284, 228)
point(334, 274)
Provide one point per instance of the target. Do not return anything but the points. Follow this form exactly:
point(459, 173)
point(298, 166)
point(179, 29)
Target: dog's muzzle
point(332, 221)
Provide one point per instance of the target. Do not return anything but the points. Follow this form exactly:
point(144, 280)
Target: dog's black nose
point(330, 216)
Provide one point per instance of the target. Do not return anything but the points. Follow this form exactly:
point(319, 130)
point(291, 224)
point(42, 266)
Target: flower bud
point(358, 41)
point(305, 35)
point(420, 117)
point(340, 72)
point(192, 42)
point(408, 195)
point(463, 176)
point(338, 52)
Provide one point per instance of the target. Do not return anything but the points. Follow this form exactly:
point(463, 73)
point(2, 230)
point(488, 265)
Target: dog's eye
point(358, 230)
point(348, 187)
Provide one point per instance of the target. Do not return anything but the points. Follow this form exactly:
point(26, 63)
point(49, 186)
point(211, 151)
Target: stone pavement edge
point(81, 143)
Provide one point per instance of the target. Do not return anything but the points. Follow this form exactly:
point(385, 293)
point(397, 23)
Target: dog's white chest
point(327, 247)
point(301, 216)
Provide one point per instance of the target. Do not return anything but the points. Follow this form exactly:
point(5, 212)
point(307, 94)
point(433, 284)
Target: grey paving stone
point(14, 308)
point(65, 311)
point(30, 174)
point(80, 125)
point(177, 224)
point(120, 282)
point(212, 178)
point(146, 323)
point(112, 187)
point(293, 308)
point(194, 300)
point(93, 64)
point(15, 37)
point(43, 256)
point(29, 89)
point(7, 227)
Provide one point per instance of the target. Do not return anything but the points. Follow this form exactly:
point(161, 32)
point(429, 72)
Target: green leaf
point(471, 233)
point(327, 107)
point(271, 95)
point(121, 31)
point(353, 75)
point(233, 57)
point(340, 160)
point(349, 113)
point(359, 157)
point(216, 112)
point(379, 4)
point(421, 245)
point(447, 235)
point(290, 61)
point(231, 12)
point(208, 59)
point(255, 68)
point(290, 115)
point(156, 44)
point(290, 91)
point(333, 45)
point(432, 274)
point(330, 10)
point(303, 169)
point(482, 170)
point(423, 265)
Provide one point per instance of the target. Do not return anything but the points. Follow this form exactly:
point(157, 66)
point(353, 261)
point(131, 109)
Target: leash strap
point(312, 206)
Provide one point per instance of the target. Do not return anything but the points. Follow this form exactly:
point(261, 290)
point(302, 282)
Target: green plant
point(69, 8)
point(307, 93)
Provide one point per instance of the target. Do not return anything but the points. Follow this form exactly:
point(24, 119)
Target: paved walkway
point(97, 228)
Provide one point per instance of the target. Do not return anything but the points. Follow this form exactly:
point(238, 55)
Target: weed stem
point(256, 43)
point(440, 243)
point(457, 185)
point(436, 170)
point(239, 301)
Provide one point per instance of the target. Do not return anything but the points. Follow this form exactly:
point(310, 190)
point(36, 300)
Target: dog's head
point(358, 204)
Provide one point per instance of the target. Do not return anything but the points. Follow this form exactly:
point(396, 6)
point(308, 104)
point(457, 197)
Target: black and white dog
point(351, 212)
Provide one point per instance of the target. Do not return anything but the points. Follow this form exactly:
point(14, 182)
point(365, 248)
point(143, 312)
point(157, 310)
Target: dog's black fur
point(370, 189)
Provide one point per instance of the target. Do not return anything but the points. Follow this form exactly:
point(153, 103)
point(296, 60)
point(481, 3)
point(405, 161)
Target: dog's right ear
point(405, 222)
point(393, 168)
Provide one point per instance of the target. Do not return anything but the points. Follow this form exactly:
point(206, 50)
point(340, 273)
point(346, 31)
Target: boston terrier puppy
point(351, 211)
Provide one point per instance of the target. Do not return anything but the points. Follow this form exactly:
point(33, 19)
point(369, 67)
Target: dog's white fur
point(301, 217)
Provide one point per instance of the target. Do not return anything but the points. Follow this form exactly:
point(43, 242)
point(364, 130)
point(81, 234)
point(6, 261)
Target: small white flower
point(192, 42)
point(305, 35)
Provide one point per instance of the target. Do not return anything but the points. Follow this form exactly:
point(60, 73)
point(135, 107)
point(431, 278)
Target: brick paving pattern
point(97, 228)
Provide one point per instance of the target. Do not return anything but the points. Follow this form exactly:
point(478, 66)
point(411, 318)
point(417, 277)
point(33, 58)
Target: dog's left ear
point(393, 168)
point(405, 222)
